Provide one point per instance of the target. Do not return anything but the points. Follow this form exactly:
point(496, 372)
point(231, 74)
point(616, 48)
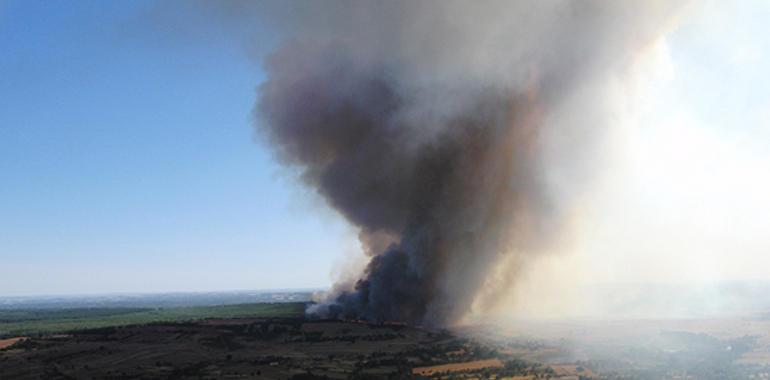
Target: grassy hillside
point(46, 321)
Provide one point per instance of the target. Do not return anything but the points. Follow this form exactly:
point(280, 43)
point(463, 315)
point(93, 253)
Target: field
point(259, 341)
point(277, 341)
point(26, 322)
point(253, 348)
point(735, 346)
point(457, 367)
point(263, 340)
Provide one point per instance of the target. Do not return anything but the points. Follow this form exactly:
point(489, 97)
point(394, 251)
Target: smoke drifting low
point(454, 135)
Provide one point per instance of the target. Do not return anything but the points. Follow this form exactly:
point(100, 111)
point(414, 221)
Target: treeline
point(22, 315)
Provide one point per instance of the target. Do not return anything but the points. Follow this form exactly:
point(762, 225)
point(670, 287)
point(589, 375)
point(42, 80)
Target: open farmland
point(49, 321)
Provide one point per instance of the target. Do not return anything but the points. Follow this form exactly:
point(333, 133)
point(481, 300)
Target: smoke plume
point(454, 135)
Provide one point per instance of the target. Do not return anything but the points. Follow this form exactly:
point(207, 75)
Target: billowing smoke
point(453, 135)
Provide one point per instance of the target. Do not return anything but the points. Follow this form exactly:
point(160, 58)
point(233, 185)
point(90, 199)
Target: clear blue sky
point(128, 161)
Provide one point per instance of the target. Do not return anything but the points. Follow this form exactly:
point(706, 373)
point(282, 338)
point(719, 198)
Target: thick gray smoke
point(434, 126)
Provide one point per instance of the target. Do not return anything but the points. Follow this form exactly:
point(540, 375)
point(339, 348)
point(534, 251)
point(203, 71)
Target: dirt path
point(4, 343)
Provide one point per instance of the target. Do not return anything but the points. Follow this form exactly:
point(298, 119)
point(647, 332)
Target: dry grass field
point(457, 367)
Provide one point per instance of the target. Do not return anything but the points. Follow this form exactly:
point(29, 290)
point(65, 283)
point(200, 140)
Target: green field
point(47, 321)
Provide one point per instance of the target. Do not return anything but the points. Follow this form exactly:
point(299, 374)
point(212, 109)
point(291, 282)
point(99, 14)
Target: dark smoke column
point(425, 125)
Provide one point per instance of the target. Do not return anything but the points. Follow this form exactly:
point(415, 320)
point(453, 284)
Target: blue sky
point(128, 161)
